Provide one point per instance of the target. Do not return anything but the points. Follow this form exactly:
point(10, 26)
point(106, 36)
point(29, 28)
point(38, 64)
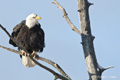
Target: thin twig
point(107, 68)
point(67, 18)
point(12, 50)
point(101, 69)
point(31, 57)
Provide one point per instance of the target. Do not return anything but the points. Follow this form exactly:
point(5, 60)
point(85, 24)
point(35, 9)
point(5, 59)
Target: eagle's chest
point(31, 35)
point(28, 35)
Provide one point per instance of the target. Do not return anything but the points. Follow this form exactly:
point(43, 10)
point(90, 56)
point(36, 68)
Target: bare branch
point(107, 68)
point(101, 69)
point(42, 59)
point(31, 57)
point(19, 45)
point(55, 66)
point(12, 50)
point(67, 18)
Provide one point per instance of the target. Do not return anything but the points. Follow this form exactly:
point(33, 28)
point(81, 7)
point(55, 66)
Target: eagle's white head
point(32, 20)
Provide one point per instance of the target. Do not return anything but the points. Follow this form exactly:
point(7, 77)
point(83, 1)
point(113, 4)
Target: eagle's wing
point(15, 32)
point(41, 32)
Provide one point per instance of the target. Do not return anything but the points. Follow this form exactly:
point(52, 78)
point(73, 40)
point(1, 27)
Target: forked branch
point(40, 58)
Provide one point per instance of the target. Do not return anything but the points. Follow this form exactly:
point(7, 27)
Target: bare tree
point(93, 68)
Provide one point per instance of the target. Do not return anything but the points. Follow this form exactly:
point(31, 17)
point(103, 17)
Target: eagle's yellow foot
point(24, 53)
point(34, 54)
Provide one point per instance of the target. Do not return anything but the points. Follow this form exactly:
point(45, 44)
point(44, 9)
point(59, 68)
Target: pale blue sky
point(62, 44)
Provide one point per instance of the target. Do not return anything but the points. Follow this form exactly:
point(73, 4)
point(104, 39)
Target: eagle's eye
point(34, 17)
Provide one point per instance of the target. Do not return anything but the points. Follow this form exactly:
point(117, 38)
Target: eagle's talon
point(34, 54)
point(24, 53)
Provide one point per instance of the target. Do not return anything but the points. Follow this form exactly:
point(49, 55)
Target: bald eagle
point(31, 36)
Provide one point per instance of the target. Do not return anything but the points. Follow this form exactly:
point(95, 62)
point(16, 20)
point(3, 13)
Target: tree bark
point(87, 41)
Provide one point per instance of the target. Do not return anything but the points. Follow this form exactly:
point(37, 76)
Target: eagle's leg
point(24, 53)
point(34, 54)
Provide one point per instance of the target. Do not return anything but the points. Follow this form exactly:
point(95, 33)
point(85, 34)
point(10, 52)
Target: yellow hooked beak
point(38, 17)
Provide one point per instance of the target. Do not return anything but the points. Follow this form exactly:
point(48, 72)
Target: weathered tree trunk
point(87, 41)
point(94, 69)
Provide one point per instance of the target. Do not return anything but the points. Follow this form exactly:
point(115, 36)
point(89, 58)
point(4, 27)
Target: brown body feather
point(32, 39)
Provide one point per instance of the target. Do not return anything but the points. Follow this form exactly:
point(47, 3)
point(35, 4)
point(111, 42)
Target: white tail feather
point(27, 62)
